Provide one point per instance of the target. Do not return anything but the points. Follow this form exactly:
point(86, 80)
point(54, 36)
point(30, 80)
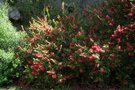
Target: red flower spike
point(102, 70)
point(38, 55)
point(80, 60)
point(72, 45)
point(42, 69)
point(54, 76)
point(35, 67)
point(32, 40)
point(107, 17)
point(34, 73)
point(97, 65)
point(75, 27)
point(92, 58)
point(30, 62)
point(130, 14)
point(72, 18)
point(50, 72)
point(112, 55)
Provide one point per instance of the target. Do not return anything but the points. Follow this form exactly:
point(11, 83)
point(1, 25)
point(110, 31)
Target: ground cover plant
point(96, 47)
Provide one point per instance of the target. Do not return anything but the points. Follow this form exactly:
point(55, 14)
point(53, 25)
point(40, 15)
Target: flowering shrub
point(57, 50)
point(113, 27)
point(122, 42)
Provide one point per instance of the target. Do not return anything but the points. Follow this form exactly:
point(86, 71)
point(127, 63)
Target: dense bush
point(113, 26)
point(8, 67)
point(9, 39)
point(101, 51)
point(51, 48)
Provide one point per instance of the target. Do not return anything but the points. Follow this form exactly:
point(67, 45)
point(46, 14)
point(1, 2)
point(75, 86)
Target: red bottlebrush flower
point(79, 50)
point(102, 70)
point(130, 14)
point(107, 17)
point(32, 40)
point(92, 58)
point(119, 40)
point(35, 67)
point(42, 69)
point(71, 57)
point(67, 17)
point(50, 72)
point(80, 60)
point(95, 10)
point(34, 73)
point(72, 35)
point(54, 76)
point(52, 54)
point(97, 65)
point(75, 27)
point(72, 18)
point(30, 62)
point(132, 26)
point(72, 45)
point(80, 33)
point(112, 55)
point(100, 19)
point(111, 23)
point(96, 48)
point(38, 55)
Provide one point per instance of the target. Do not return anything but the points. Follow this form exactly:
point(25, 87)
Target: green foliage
point(8, 67)
point(9, 39)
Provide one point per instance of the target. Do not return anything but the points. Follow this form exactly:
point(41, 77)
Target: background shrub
point(9, 39)
point(113, 27)
point(8, 67)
